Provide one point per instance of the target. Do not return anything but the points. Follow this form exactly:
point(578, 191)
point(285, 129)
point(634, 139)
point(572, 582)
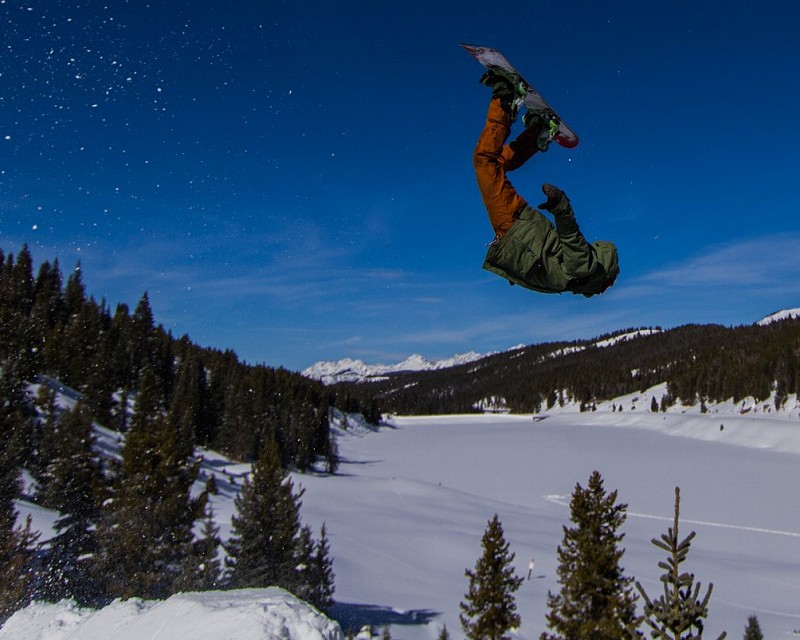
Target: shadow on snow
point(355, 616)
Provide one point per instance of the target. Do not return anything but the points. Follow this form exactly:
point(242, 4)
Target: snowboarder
point(528, 249)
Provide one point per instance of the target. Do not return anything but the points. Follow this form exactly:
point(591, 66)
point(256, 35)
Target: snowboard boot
point(507, 86)
point(547, 121)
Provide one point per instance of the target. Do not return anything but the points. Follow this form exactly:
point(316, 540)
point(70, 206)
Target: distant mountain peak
point(349, 370)
point(785, 314)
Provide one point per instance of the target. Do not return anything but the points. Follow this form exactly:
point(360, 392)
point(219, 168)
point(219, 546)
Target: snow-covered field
point(406, 512)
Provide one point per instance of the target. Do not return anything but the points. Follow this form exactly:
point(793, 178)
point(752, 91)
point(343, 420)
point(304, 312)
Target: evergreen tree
point(202, 570)
point(262, 549)
point(596, 601)
point(321, 575)
point(489, 610)
point(104, 377)
point(188, 411)
point(16, 562)
point(142, 327)
point(43, 447)
point(753, 629)
point(304, 555)
point(19, 347)
point(678, 613)
point(15, 429)
point(73, 486)
point(16, 543)
point(153, 491)
point(302, 430)
point(48, 307)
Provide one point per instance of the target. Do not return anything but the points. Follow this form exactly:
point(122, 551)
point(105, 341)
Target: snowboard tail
point(533, 100)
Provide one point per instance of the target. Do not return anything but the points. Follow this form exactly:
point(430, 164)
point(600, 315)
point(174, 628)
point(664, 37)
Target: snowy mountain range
point(349, 370)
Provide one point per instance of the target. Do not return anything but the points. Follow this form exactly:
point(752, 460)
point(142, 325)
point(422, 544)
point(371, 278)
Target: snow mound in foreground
point(246, 614)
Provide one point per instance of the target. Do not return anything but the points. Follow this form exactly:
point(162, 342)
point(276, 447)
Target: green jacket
point(552, 259)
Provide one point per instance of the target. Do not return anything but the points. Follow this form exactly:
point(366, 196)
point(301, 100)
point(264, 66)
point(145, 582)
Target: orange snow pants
point(493, 158)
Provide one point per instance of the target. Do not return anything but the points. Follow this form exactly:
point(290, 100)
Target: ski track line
point(561, 501)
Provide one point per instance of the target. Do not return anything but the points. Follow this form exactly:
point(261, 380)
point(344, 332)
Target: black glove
point(557, 200)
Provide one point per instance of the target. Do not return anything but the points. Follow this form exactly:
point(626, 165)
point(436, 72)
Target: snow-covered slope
point(778, 316)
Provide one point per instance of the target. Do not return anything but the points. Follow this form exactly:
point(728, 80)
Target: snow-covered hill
point(778, 316)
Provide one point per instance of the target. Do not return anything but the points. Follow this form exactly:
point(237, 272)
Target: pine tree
point(48, 306)
point(753, 629)
point(73, 486)
point(189, 411)
point(321, 576)
point(142, 327)
point(304, 556)
point(261, 551)
point(153, 491)
point(678, 613)
point(16, 562)
point(18, 344)
point(596, 601)
point(16, 546)
point(202, 569)
point(44, 433)
point(489, 610)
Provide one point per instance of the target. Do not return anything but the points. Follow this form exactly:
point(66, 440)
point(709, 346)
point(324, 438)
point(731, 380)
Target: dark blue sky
point(293, 180)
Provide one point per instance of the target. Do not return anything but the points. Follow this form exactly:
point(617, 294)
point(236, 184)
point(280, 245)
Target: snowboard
point(533, 100)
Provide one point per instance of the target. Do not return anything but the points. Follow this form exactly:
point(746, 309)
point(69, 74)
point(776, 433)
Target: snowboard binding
point(506, 85)
point(549, 123)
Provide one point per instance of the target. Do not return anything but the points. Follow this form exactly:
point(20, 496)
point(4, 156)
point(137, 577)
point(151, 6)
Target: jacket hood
point(602, 278)
point(607, 255)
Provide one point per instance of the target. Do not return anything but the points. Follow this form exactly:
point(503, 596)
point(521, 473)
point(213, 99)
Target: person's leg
point(490, 160)
point(519, 151)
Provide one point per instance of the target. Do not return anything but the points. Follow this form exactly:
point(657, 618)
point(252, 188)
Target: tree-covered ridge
point(52, 327)
point(128, 520)
point(699, 363)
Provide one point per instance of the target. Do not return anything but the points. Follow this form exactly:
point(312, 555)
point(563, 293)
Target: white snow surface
point(247, 614)
point(785, 314)
point(408, 507)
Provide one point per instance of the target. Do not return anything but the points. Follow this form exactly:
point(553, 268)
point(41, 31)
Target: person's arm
point(577, 253)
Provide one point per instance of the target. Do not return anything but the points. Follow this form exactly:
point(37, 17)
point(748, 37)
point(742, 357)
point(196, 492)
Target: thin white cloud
point(760, 262)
